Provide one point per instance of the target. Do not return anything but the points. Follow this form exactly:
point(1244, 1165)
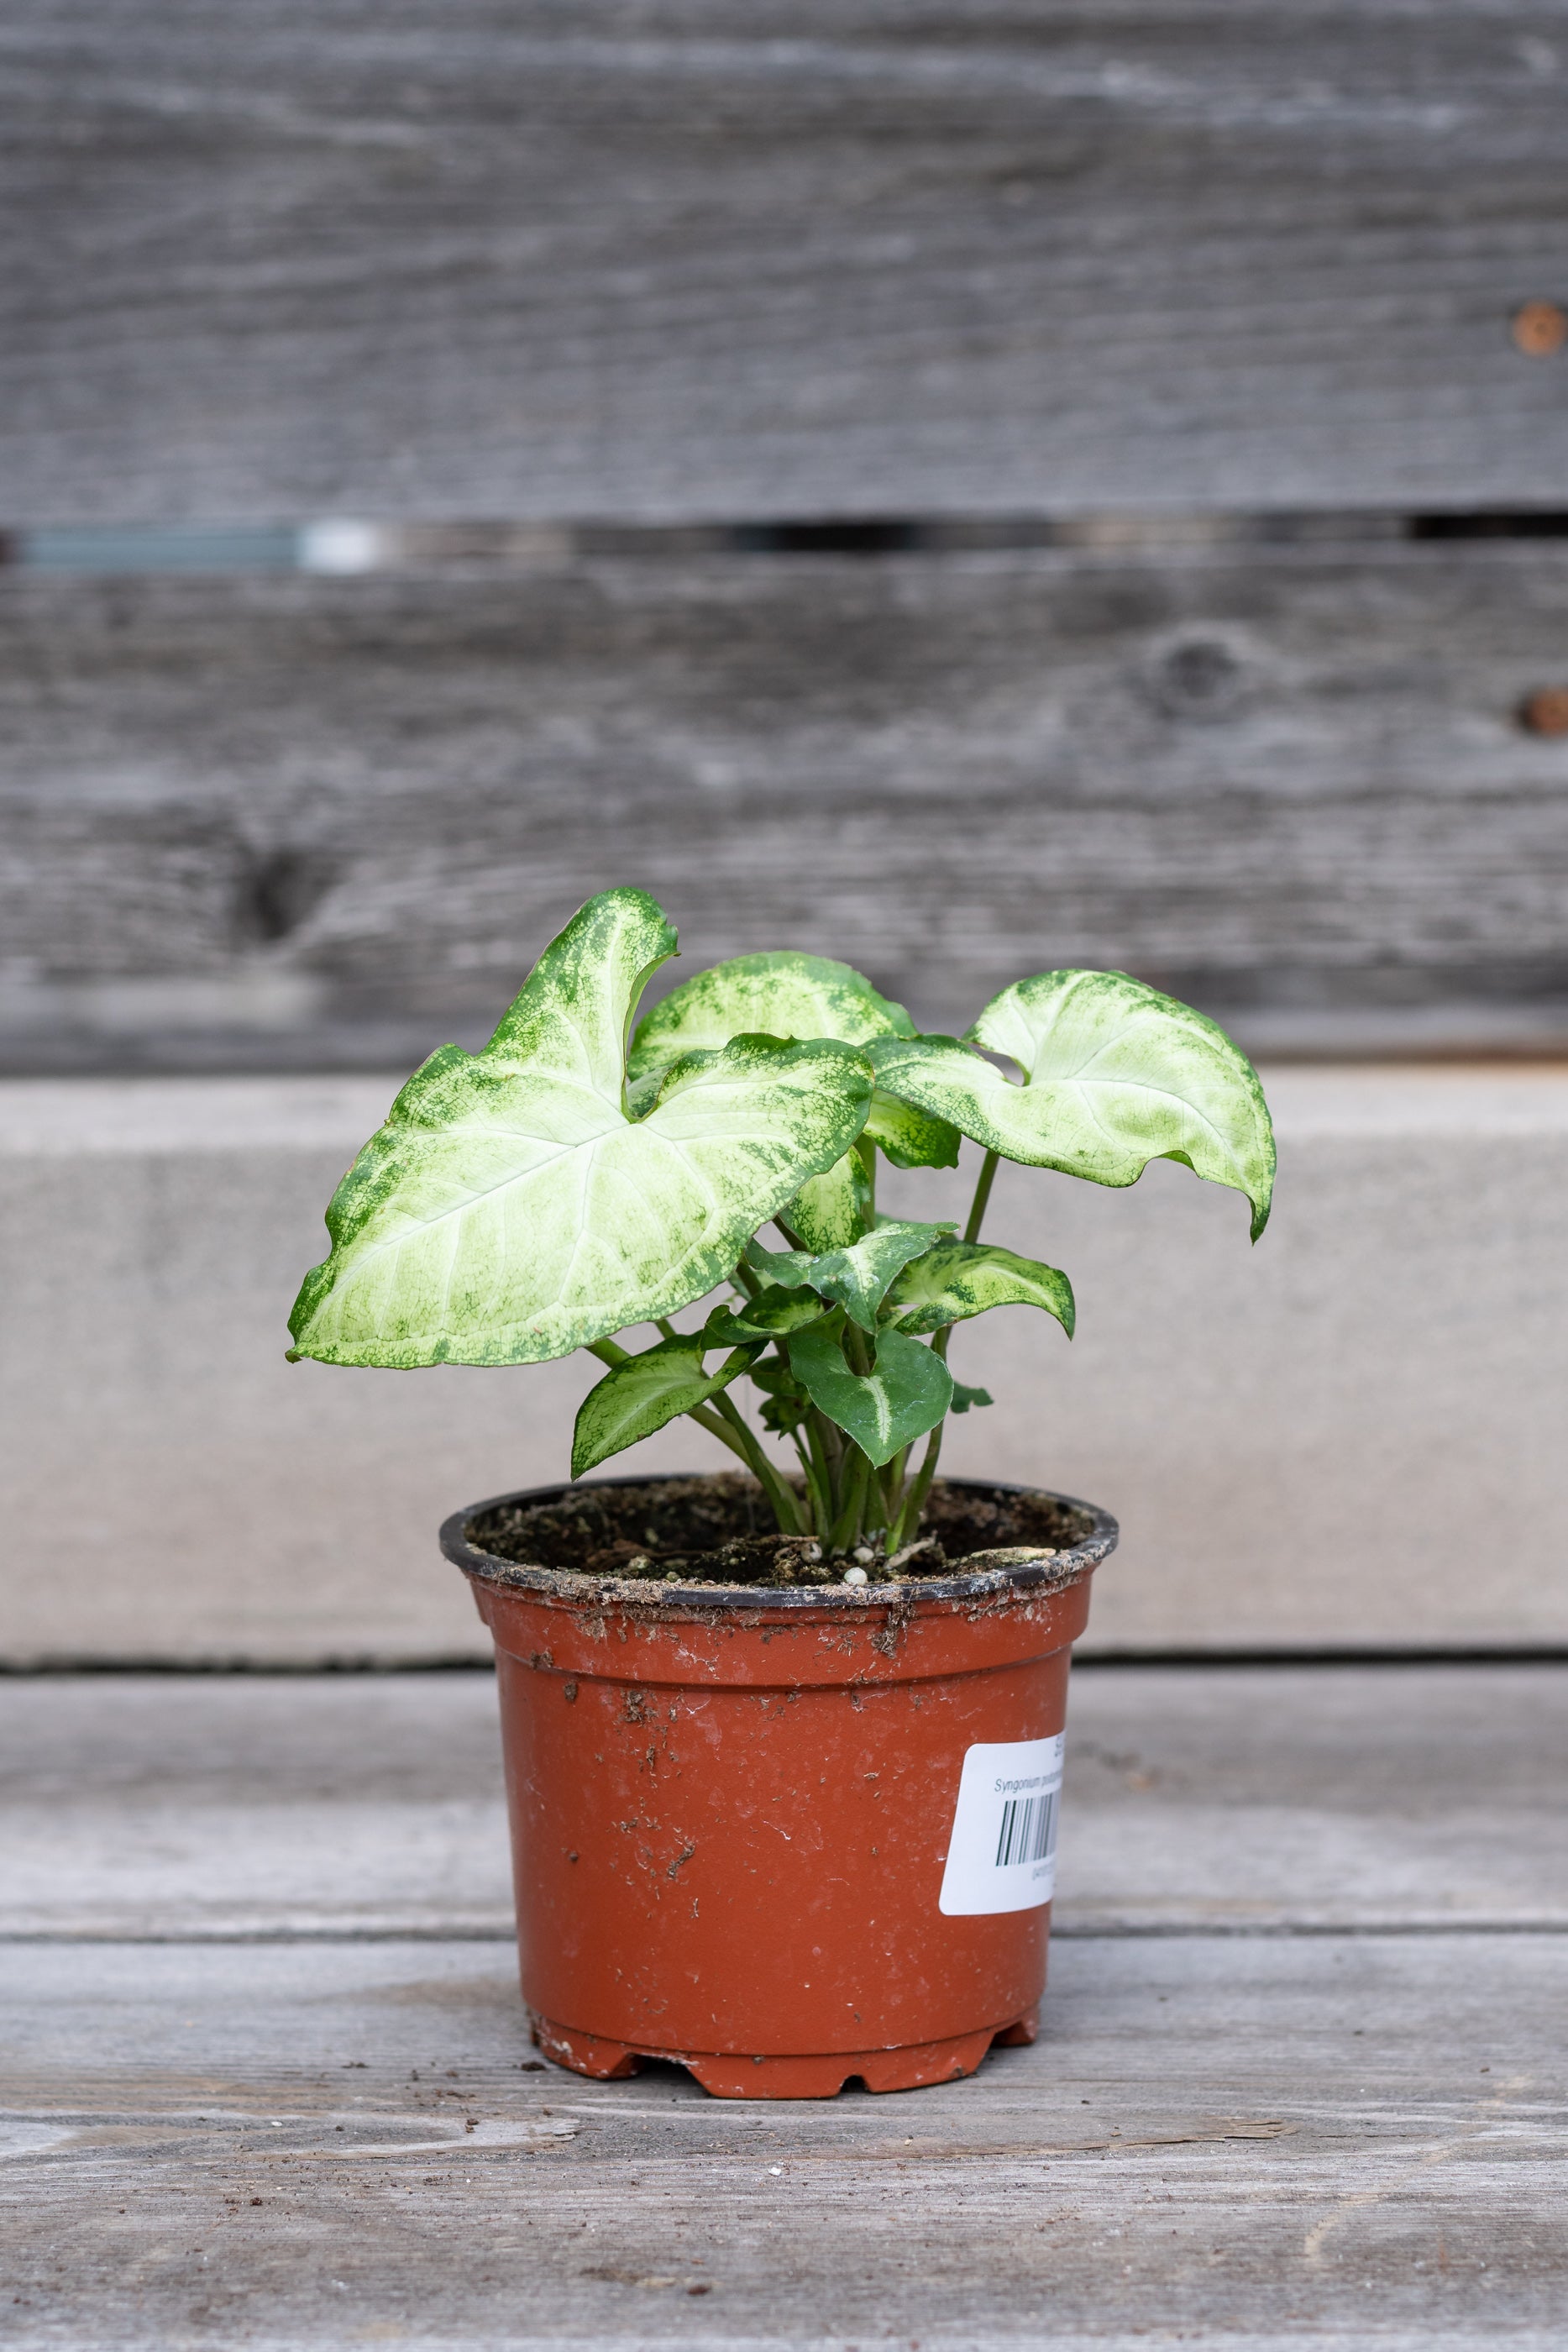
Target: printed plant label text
point(1001, 1856)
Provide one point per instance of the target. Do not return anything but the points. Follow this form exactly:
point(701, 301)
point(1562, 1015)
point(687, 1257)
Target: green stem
point(818, 1473)
point(744, 1279)
point(986, 1178)
point(847, 1525)
point(607, 1352)
point(908, 1526)
point(785, 1509)
point(829, 1448)
point(816, 1491)
point(714, 1427)
point(867, 1151)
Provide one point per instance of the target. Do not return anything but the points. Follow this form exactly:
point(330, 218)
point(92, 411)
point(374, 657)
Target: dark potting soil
point(718, 1530)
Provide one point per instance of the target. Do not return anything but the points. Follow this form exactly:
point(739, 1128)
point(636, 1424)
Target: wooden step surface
point(265, 2078)
point(1216, 1799)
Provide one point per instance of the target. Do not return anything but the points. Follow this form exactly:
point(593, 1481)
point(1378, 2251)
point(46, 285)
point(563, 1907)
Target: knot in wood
point(1198, 677)
point(1545, 712)
point(1539, 328)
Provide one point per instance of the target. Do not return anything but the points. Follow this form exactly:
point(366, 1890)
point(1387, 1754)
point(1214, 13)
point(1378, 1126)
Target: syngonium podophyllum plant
point(578, 1177)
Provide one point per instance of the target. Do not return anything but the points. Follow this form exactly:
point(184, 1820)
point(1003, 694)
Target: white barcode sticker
point(1001, 1856)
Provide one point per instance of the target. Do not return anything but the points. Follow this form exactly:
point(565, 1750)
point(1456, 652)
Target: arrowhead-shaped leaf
point(956, 1279)
point(1115, 1075)
point(510, 1211)
point(857, 1278)
point(906, 1393)
point(776, 994)
point(641, 1395)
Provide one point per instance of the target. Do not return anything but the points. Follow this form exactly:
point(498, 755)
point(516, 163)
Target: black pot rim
point(571, 1584)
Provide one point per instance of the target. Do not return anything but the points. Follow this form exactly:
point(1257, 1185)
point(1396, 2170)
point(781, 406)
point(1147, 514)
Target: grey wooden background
point(738, 258)
point(290, 822)
point(668, 283)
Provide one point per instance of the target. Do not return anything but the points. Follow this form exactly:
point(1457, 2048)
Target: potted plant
point(783, 1746)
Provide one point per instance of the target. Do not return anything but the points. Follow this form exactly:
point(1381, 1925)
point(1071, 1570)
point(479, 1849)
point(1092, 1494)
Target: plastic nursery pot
point(785, 1836)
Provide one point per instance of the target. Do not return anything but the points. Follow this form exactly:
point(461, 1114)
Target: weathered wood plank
point(1250, 1801)
point(864, 256)
point(1221, 2142)
point(307, 820)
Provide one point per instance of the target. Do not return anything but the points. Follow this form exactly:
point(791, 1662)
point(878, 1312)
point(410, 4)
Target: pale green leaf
point(641, 1395)
point(956, 1279)
point(776, 994)
point(906, 1393)
point(510, 1211)
point(834, 1209)
point(770, 1315)
point(1115, 1075)
point(909, 1137)
point(856, 1278)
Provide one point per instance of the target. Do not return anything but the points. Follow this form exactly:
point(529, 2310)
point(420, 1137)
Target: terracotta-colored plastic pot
point(784, 1837)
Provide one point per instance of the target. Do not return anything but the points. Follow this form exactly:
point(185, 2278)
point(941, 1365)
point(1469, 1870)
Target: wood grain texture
point(294, 2138)
point(708, 257)
point(1250, 1801)
point(312, 820)
point(1223, 2142)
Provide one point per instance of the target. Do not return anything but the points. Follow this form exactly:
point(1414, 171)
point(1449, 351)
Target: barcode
point(1028, 1831)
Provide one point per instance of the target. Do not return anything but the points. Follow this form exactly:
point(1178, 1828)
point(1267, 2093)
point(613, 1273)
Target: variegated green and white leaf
point(775, 994)
point(770, 1316)
point(1114, 1075)
point(789, 1268)
point(641, 1395)
point(956, 1279)
point(856, 1278)
point(833, 1209)
point(906, 1393)
point(510, 1211)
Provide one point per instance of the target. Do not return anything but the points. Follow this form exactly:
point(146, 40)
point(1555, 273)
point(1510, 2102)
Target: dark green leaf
point(857, 1278)
point(641, 1395)
point(905, 1394)
point(964, 1397)
point(772, 1312)
point(785, 1409)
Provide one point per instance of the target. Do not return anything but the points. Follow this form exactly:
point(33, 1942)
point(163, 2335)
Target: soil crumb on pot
point(718, 1530)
